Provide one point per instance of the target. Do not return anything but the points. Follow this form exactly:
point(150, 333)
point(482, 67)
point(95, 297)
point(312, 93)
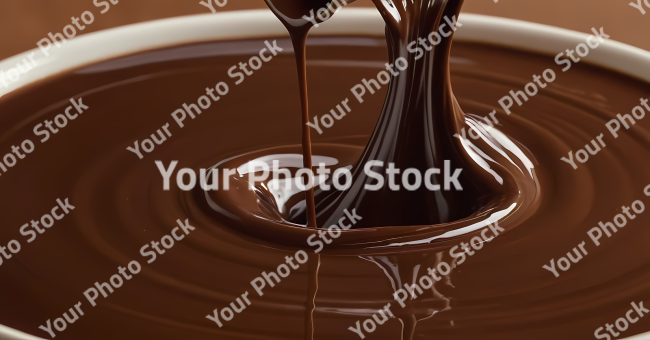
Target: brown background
point(24, 22)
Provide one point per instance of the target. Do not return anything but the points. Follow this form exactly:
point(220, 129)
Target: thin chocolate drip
point(298, 30)
point(291, 15)
point(312, 273)
point(299, 39)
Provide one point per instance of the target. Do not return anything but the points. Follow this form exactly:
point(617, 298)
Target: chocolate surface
point(501, 292)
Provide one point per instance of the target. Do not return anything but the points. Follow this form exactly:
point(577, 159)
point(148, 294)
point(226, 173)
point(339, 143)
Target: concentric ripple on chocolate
point(501, 293)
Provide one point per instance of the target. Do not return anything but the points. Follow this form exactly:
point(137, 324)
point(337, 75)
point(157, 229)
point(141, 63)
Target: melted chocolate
point(291, 14)
point(415, 129)
point(499, 293)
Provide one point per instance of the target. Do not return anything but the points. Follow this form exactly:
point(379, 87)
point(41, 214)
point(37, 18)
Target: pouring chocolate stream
point(417, 129)
point(420, 126)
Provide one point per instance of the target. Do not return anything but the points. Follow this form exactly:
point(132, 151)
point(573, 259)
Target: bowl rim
point(130, 39)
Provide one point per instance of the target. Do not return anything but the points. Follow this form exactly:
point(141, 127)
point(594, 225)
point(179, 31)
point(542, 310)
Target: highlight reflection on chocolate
point(497, 292)
point(416, 128)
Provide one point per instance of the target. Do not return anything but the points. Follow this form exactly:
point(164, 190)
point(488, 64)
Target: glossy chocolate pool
point(500, 292)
